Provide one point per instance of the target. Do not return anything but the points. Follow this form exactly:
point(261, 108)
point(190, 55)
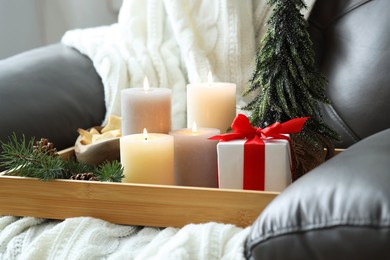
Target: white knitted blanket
point(90, 238)
point(174, 42)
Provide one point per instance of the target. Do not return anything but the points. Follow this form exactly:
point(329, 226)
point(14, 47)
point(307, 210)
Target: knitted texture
point(90, 238)
point(173, 43)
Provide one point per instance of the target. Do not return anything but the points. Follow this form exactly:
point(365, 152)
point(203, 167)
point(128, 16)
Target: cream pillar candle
point(211, 104)
point(146, 107)
point(147, 158)
point(195, 157)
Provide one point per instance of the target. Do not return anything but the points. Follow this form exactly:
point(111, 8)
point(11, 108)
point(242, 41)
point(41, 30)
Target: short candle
point(195, 157)
point(147, 158)
point(211, 104)
point(146, 107)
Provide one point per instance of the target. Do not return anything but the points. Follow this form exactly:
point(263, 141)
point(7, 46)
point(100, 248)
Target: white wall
point(27, 24)
point(20, 28)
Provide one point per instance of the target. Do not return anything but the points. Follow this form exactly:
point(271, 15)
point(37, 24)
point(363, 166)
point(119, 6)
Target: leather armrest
point(49, 92)
point(339, 210)
point(351, 42)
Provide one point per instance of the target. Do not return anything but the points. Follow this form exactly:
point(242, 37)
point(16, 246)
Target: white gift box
point(277, 164)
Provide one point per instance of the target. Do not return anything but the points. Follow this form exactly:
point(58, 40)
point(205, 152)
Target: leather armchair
point(341, 209)
point(351, 40)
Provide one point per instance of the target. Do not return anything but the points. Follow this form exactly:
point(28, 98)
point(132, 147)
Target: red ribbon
point(254, 148)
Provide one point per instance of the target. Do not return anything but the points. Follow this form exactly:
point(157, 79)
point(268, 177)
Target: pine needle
point(20, 159)
point(110, 172)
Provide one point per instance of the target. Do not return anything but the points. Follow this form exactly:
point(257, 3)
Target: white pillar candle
point(146, 107)
point(195, 157)
point(147, 158)
point(211, 104)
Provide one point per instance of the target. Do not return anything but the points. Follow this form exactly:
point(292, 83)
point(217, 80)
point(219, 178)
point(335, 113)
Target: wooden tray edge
point(130, 204)
point(127, 203)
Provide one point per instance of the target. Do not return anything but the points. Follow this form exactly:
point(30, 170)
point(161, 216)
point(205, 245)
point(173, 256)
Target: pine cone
point(44, 146)
point(86, 176)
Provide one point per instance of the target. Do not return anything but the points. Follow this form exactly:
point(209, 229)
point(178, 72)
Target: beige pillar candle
point(195, 157)
point(211, 105)
point(146, 107)
point(147, 158)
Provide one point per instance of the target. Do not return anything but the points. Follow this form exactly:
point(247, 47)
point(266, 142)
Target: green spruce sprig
point(16, 153)
point(20, 158)
point(288, 81)
point(287, 76)
point(110, 172)
point(44, 167)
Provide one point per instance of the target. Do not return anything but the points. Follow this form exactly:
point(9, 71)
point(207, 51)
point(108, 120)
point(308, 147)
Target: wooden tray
point(130, 204)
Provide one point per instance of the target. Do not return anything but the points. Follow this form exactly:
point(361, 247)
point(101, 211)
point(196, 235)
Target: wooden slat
point(132, 204)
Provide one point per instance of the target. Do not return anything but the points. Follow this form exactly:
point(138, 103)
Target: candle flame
point(145, 134)
point(194, 128)
point(210, 78)
point(146, 84)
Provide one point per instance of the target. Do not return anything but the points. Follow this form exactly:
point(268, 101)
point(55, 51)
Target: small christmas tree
point(291, 84)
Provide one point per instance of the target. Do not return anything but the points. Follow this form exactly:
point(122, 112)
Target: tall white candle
point(211, 104)
point(195, 157)
point(147, 158)
point(146, 107)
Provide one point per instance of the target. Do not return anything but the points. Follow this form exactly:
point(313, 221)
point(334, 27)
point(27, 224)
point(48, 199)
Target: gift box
point(254, 158)
point(271, 174)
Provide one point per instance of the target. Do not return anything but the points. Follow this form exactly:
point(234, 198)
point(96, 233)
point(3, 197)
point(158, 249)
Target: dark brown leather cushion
point(49, 92)
point(340, 210)
point(352, 40)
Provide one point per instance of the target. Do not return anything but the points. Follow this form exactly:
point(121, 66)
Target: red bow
point(244, 130)
point(254, 148)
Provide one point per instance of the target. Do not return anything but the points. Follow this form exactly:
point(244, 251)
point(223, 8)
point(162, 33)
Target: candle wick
point(145, 134)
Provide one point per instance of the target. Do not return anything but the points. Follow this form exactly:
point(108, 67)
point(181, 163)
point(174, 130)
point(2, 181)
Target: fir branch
point(18, 156)
point(110, 172)
point(21, 159)
point(285, 69)
point(45, 168)
point(289, 83)
point(16, 153)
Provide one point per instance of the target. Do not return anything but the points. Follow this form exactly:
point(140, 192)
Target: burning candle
point(146, 107)
point(195, 157)
point(147, 158)
point(211, 104)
